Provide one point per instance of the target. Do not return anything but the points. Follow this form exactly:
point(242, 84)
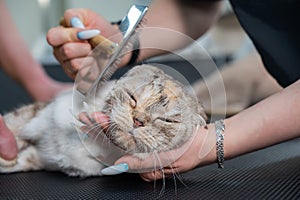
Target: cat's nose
point(138, 122)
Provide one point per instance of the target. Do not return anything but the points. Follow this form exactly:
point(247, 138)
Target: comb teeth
point(124, 49)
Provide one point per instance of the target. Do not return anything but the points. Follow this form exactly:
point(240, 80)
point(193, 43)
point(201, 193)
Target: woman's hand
point(200, 150)
point(70, 44)
point(192, 154)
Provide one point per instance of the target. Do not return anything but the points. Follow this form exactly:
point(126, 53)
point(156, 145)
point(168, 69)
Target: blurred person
point(17, 61)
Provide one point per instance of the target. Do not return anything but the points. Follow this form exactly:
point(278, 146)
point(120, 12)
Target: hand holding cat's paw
point(147, 168)
point(115, 169)
point(164, 164)
point(93, 123)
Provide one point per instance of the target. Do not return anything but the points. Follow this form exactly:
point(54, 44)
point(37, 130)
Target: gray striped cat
point(149, 112)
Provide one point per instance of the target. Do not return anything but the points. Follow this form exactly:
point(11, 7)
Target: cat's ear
point(157, 80)
point(143, 69)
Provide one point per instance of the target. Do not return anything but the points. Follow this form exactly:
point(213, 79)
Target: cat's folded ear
point(157, 81)
point(143, 69)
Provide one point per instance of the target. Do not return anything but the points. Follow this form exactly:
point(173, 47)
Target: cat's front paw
point(7, 163)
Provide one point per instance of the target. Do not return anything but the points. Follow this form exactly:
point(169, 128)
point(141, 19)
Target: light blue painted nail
point(77, 23)
point(115, 169)
point(88, 34)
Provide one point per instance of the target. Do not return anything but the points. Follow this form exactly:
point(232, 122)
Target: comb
point(106, 55)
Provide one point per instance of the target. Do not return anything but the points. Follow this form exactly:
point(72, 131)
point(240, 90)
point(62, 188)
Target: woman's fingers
point(59, 35)
point(157, 174)
point(72, 50)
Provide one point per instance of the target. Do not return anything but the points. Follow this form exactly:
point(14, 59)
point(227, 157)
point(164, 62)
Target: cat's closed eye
point(132, 99)
point(163, 100)
point(168, 120)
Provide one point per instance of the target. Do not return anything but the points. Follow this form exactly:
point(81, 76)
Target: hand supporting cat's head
point(151, 112)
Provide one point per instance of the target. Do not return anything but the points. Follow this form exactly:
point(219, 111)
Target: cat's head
point(150, 111)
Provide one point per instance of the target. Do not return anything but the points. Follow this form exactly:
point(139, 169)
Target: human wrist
point(208, 147)
point(206, 151)
point(40, 86)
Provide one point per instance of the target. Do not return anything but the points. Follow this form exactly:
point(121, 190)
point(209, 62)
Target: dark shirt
point(273, 26)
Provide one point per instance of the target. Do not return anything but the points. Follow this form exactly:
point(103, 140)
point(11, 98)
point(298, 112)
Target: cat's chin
point(128, 143)
point(123, 140)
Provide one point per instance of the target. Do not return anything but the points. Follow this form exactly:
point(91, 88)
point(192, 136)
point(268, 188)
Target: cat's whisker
point(163, 173)
point(179, 177)
point(91, 131)
point(175, 173)
point(91, 128)
point(73, 125)
point(103, 125)
point(101, 132)
point(98, 134)
point(96, 128)
point(109, 138)
point(72, 114)
point(111, 129)
point(154, 169)
point(76, 119)
point(96, 131)
point(78, 130)
point(106, 141)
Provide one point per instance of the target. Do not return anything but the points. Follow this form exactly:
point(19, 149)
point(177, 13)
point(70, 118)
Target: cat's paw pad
point(7, 163)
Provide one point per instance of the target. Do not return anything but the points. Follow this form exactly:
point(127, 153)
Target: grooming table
point(271, 173)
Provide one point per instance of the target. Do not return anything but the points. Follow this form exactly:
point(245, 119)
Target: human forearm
point(17, 61)
point(15, 57)
point(273, 120)
point(173, 24)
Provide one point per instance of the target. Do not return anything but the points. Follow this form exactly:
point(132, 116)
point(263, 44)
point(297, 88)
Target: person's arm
point(271, 121)
point(169, 22)
point(246, 81)
point(163, 20)
point(17, 61)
